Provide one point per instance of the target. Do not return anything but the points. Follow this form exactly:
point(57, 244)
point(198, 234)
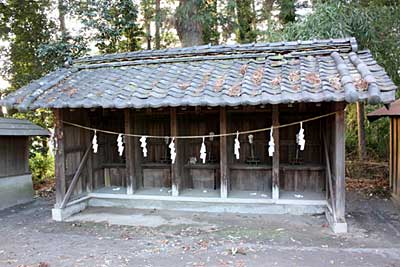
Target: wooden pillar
point(175, 167)
point(395, 151)
point(339, 162)
point(87, 180)
point(391, 152)
point(59, 157)
point(131, 184)
point(275, 158)
point(396, 183)
point(223, 153)
point(89, 164)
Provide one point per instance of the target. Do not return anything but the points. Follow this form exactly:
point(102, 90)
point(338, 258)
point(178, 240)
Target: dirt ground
point(28, 237)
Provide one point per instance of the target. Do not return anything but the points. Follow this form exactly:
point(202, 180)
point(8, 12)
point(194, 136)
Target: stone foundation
point(15, 190)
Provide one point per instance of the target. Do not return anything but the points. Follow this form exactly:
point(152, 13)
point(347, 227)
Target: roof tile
point(251, 74)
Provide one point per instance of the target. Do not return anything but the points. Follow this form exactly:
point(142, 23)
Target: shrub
point(42, 167)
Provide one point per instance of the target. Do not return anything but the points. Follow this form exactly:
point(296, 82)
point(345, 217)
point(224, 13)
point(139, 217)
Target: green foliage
point(26, 27)
point(147, 7)
point(56, 52)
point(168, 36)
point(209, 13)
point(42, 167)
point(375, 24)
point(24, 24)
point(287, 11)
point(246, 17)
point(375, 27)
point(227, 19)
point(113, 23)
point(376, 135)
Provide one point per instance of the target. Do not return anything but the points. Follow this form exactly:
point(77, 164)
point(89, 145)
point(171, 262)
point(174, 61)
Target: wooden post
point(362, 150)
point(223, 152)
point(339, 161)
point(396, 184)
point(394, 158)
point(391, 153)
point(59, 157)
point(131, 184)
point(89, 164)
point(275, 158)
point(175, 167)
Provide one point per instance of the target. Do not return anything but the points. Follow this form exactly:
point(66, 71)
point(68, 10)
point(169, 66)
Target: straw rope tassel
point(172, 150)
point(300, 137)
point(271, 143)
point(120, 144)
point(203, 153)
point(143, 145)
point(237, 146)
point(94, 142)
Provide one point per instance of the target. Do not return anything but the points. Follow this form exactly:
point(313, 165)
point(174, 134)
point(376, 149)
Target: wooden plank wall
point(109, 167)
point(103, 168)
point(154, 124)
point(190, 124)
point(14, 155)
point(244, 122)
point(241, 177)
point(74, 148)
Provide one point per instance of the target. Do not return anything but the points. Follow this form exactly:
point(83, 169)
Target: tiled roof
point(15, 127)
point(224, 75)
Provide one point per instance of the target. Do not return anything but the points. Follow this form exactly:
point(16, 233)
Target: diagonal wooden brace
point(75, 179)
point(329, 176)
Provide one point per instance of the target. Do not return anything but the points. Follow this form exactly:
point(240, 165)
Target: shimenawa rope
point(199, 136)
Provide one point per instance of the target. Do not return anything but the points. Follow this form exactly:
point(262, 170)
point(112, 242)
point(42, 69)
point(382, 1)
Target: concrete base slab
point(192, 204)
point(198, 206)
point(61, 215)
point(396, 200)
point(144, 218)
point(15, 190)
point(337, 226)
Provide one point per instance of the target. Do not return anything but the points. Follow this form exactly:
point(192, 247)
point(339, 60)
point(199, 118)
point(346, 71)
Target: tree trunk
point(188, 24)
point(246, 20)
point(148, 35)
point(267, 6)
point(361, 131)
point(158, 25)
point(61, 18)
